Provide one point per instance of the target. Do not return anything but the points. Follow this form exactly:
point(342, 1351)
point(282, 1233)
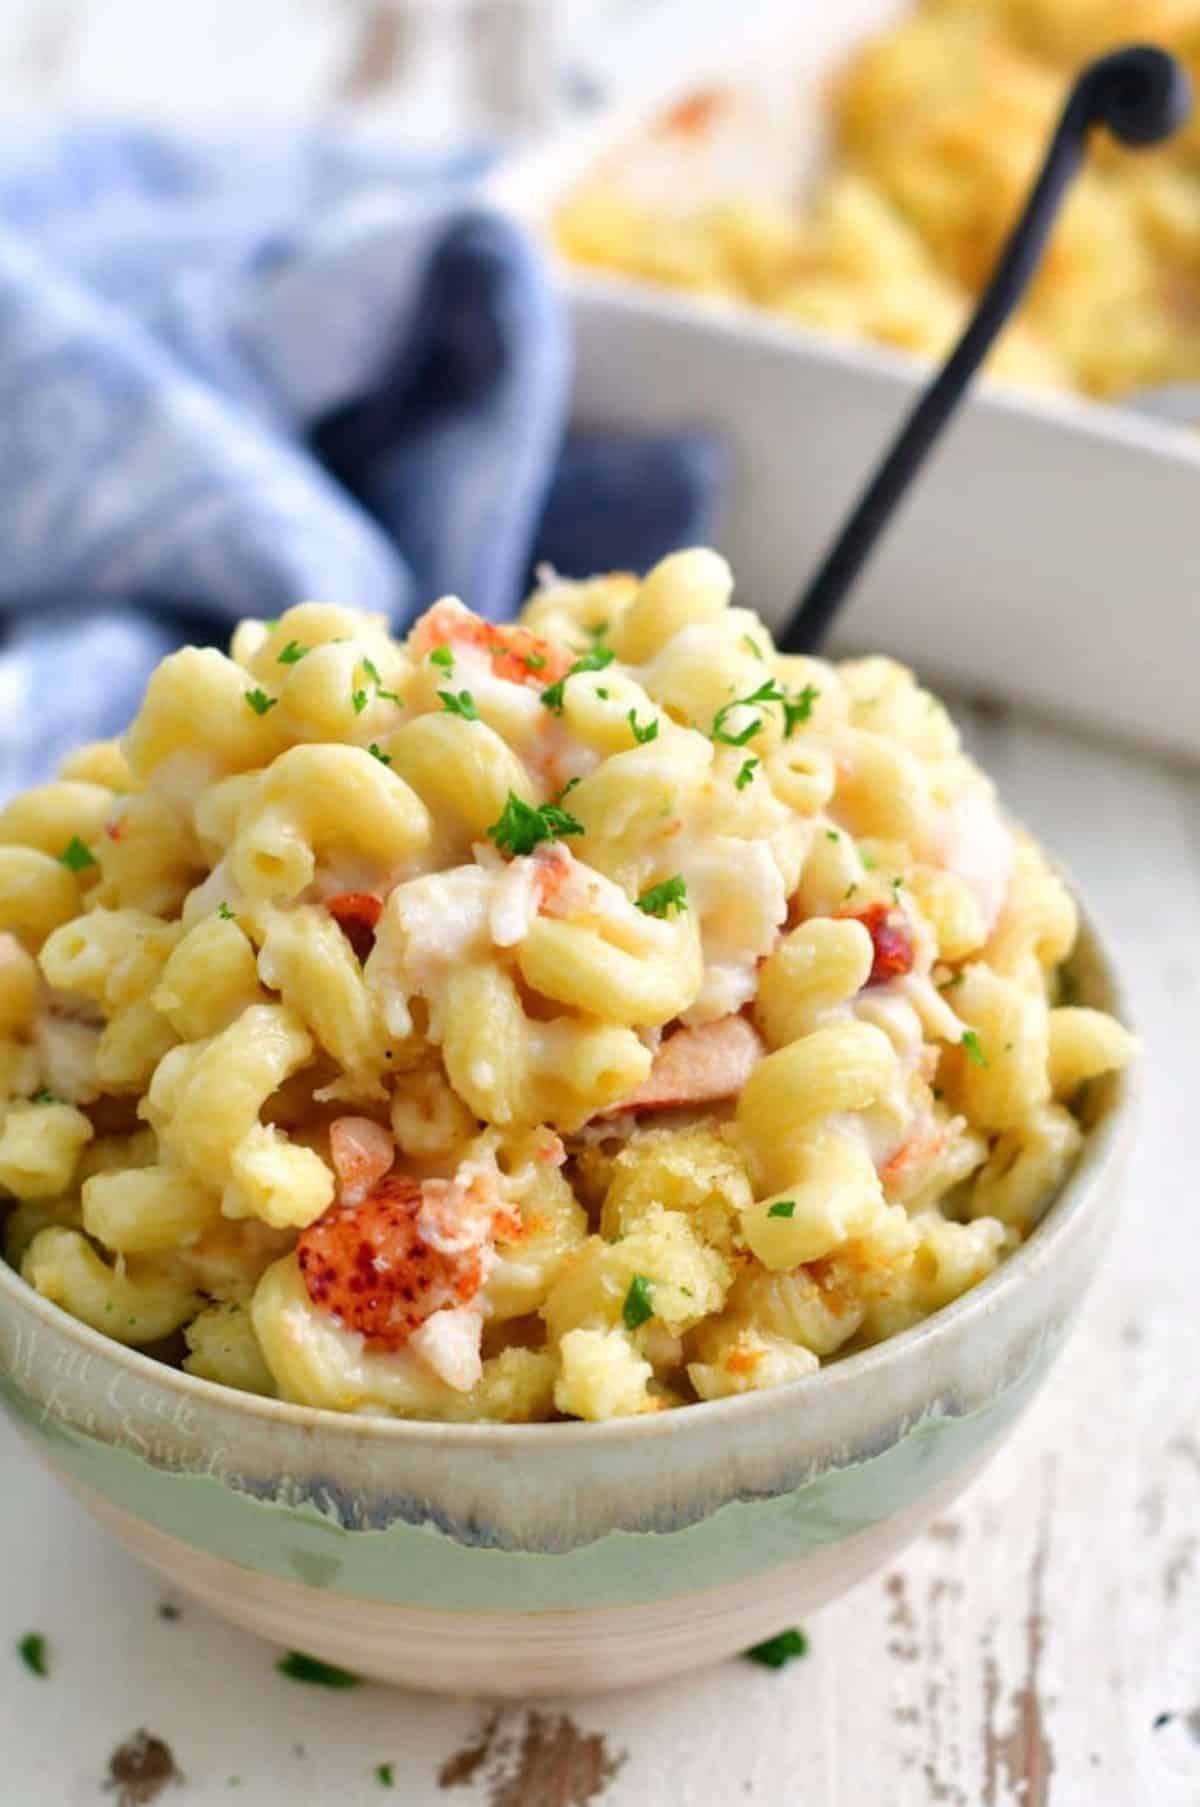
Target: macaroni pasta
point(581, 1017)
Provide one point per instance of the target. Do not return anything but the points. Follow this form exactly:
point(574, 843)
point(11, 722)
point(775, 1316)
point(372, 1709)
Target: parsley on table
point(260, 702)
point(442, 655)
point(32, 1651)
point(971, 1048)
point(385, 1775)
point(77, 856)
point(775, 1653)
point(462, 703)
point(660, 900)
point(292, 653)
point(593, 660)
point(300, 1668)
point(638, 1308)
point(642, 734)
point(783, 1207)
point(747, 772)
point(520, 827)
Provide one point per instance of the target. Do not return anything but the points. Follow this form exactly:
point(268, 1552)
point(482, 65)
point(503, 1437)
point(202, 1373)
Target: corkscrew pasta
point(937, 125)
point(584, 1017)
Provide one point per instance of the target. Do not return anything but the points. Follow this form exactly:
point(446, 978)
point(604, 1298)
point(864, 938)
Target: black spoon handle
point(1142, 95)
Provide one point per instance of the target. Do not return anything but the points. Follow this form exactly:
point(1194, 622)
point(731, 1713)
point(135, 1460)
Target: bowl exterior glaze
point(555, 1558)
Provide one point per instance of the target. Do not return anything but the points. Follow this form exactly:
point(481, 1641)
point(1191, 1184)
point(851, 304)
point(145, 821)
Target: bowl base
point(519, 1656)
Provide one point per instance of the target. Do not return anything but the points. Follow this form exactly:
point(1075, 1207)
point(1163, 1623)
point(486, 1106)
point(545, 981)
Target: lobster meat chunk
point(697, 1066)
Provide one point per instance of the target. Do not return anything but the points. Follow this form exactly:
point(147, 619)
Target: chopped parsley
point(520, 827)
point(971, 1048)
point(359, 700)
point(568, 787)
point(749, 767)
point(796, 709)
point(868, 859)
point(642, 734)
point(377, 752)
point(44, 1096)
point(752, 645)
point(372, 671)
point(32, 1652)
point(783, 1207)
point(442, 655)
point(595, 659)
point(535, 661)
point(603, 693)
point(849, 892)
point(949, 984)
point(300, 1668)
point(831, 834)
point(77, 856)
point(225, 913)
point(461, 703)
point(721, 732)
point(776, 1653)
point(638, 1308)
point(660, 900)
point(260, 702)
point(385, 1775)
point(292, 653)
point(598, 632)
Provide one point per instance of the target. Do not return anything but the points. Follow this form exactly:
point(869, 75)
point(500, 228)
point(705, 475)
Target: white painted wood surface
point(1018, 1656)
point(1040, 1648)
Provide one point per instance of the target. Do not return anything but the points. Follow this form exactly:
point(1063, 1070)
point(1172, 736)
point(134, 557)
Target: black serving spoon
point(1142, 95)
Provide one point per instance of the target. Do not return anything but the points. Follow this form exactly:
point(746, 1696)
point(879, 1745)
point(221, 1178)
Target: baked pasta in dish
point(937, 128)
point(581, 1017)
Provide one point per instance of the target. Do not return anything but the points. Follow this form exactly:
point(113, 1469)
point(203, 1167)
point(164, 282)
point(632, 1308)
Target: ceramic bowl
point(527, 1559)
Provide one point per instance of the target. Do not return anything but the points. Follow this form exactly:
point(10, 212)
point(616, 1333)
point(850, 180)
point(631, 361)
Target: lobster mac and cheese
point(936, 128)
point(583, 1017)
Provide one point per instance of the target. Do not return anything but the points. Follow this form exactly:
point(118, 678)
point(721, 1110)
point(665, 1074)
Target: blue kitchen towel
point(237, 371)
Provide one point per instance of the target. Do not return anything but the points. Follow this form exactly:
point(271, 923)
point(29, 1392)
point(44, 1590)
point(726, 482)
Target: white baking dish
point(1052, 550)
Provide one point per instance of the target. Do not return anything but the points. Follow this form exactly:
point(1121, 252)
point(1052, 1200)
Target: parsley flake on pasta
point(387, 1072)
point(520, 827)
point(660, 900)
point(594, 660)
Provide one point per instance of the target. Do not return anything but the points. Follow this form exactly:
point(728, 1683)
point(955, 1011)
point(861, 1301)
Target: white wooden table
point(1039, 1648)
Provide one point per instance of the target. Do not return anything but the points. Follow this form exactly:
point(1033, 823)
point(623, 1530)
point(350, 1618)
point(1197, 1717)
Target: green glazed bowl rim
point(1104, 1142)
